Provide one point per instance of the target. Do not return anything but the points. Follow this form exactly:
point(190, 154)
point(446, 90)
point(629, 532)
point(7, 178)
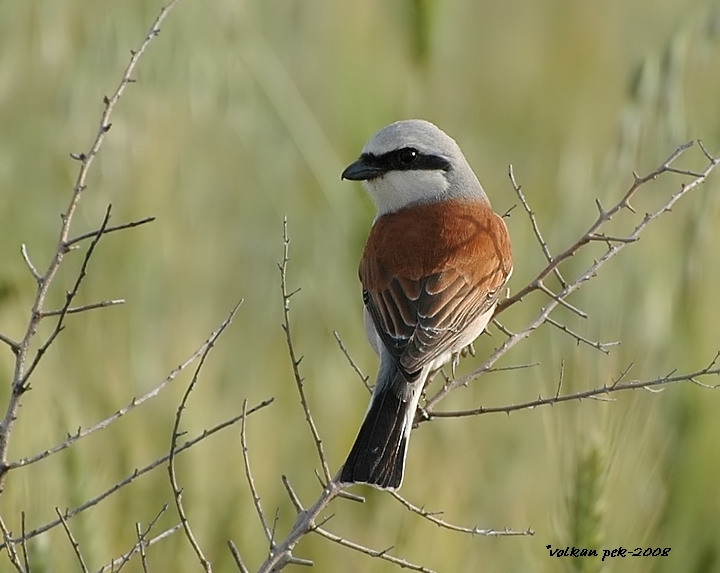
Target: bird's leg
point(462, 353)
point(454, 361)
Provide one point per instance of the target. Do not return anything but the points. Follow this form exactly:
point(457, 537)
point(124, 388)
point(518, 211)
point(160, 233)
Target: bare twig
point(533, 223)
point(433, 518)
point(83, 308)
point(10, 545)
point(712, 369)
point(299, 380)
point(561, 300)
point(14, 346)
point(71, 439)
point(44, 280)
point(26, 257)
point(142, 543)
point(561, 378)
point(380, 554)
point(601, 346)
point(251, 483)
point(69, 297)
point(122, 227)
point(205, 434)
point(141, 547)
point(177, 491)
point(604, 216)
point(365, 379)
point(23, 543)
point(236, 556)
point(613, 248)
point(73, 542)
point(304, 524)
point(113, 566)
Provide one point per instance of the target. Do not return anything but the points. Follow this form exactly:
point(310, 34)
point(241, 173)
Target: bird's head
point(413, 161)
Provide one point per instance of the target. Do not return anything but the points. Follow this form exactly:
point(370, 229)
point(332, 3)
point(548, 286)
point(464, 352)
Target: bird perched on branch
point(432, 271)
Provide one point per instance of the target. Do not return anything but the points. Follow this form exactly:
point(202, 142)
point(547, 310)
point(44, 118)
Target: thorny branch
point(73, 542)
point(24, 365)
point(134, 403)
point(307, 520)
point(269, 533)
point(143, 542)
point(712, 369)
point(26, 362)
point(432, 517)
point(613, 246)
point(299, 380)
point(137, 473)
point(176, 434)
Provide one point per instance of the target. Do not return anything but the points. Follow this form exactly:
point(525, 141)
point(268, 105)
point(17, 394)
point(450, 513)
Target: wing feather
point(427, 272)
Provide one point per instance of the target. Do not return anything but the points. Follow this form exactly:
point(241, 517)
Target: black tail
point(378, 456)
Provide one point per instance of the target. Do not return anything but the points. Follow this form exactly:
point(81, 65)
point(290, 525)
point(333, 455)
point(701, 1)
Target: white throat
point(398, 189)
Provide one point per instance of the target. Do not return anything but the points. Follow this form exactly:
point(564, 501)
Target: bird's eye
point(407, 156)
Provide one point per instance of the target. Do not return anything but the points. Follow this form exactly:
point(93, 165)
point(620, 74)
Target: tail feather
point(378, 455)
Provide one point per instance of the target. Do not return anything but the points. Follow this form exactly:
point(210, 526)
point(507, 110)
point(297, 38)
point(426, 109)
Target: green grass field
point(246, 112)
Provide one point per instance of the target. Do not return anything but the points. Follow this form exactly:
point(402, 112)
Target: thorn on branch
point(609, 239)
point(433, 517)
point(601, 346)
point(365, 379)
point(300, 561)
point(83, 308)
point(122, 227)
point(382, 554)
point(26, 257)
point(351, 496)
point(324, 520)
point(713, 160)
point(687, 172)
point(623, 374)
point(535, 227)
point(507, 213)
point(654, 390)
point(560, 299)
point(14, 346)
point(560, 379)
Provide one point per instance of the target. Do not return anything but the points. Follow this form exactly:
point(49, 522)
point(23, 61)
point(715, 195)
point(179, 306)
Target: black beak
point(362, 170)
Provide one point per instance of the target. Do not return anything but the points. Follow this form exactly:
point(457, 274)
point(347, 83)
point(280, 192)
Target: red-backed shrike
point(432, 271)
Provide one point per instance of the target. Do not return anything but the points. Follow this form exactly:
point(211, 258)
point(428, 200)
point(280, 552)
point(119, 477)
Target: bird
point(435, 264)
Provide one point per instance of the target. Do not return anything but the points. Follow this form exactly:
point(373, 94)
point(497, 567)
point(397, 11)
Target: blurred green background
point(245, 112)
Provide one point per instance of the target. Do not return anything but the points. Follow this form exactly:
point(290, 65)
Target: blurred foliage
point(245, 112)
